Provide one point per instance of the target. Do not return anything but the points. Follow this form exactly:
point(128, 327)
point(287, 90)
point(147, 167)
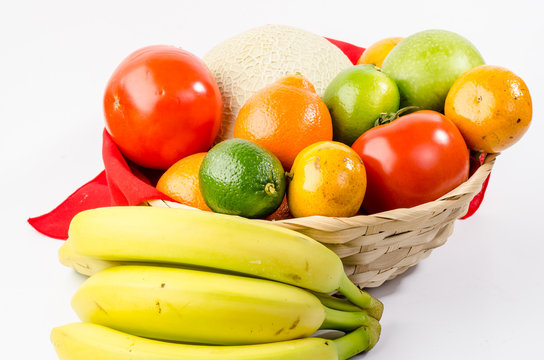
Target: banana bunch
point(224, 287)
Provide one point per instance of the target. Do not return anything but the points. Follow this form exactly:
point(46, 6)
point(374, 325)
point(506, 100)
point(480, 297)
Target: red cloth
point(92, 195)
point(120, 184)
point(476, 200)
point(127, 184)
point(123, 183)
point(352, 52)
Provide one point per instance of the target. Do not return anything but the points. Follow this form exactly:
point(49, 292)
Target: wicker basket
point(375, 248)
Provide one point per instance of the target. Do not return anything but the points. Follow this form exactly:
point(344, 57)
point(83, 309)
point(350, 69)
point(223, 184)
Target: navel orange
point(285, 117)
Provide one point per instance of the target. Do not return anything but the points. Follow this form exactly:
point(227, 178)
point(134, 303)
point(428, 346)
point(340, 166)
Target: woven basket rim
point(472, 187)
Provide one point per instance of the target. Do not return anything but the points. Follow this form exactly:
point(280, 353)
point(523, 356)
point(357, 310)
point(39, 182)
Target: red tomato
point(162, 104)
point(413, 160)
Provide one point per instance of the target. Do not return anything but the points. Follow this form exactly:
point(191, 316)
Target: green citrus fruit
point(239, 177)
point(356, 97)
point(426, 64)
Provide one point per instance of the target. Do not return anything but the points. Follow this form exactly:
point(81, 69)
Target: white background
point(480, 296)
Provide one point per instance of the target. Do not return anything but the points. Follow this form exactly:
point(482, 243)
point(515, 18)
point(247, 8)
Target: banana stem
point(345, 320)
point(336, 303)
point(359, 340)
point(360, 298)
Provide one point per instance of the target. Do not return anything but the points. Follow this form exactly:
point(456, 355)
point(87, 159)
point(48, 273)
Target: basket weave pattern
point(376, 248)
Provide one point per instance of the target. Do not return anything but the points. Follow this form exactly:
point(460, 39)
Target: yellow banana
point(86, 341)
point(182, 236)
point(205, 307)
point(88, 266)
point(84, 265)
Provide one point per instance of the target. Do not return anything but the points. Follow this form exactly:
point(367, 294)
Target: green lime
point(356, 97)
point(239, 177)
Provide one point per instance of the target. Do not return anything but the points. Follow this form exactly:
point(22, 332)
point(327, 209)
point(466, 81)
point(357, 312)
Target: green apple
point(426, 64)
point(356, 97)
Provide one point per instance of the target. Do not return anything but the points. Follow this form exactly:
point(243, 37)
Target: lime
point(239, 177)
point(356, 97)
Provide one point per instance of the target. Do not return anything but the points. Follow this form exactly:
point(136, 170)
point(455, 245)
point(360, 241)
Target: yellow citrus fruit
point(491, 106)
point(329, 179)
point(181, 182)
point(376, 53)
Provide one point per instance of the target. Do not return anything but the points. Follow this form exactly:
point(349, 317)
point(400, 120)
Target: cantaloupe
point(255, 58)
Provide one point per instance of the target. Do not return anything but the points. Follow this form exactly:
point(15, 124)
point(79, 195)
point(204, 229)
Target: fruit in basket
point(413, 160)
point(375, 54)
point(356, 97)
point(181, 182)
point(282, 212)
point(329, 179)
point(183, 236)
point(249, 61)
point(87, 341)
point(491, 106)
point(162, 104)
point(426, 64)
point(285, 117)
point(179, 304)
point(239, 177)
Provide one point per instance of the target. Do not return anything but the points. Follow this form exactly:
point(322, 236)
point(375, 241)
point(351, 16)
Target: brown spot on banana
point(100, 308)
point(158, 306)
point(295, 323)
point(295, 277)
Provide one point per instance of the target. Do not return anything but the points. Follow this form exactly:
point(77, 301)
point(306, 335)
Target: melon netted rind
point(255, 58)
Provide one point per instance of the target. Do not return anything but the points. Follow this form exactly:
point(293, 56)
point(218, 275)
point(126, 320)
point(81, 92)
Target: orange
point(328, 179)
point(181, 182)
point(285, 117)
point(491, 106)
point(376, 53)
